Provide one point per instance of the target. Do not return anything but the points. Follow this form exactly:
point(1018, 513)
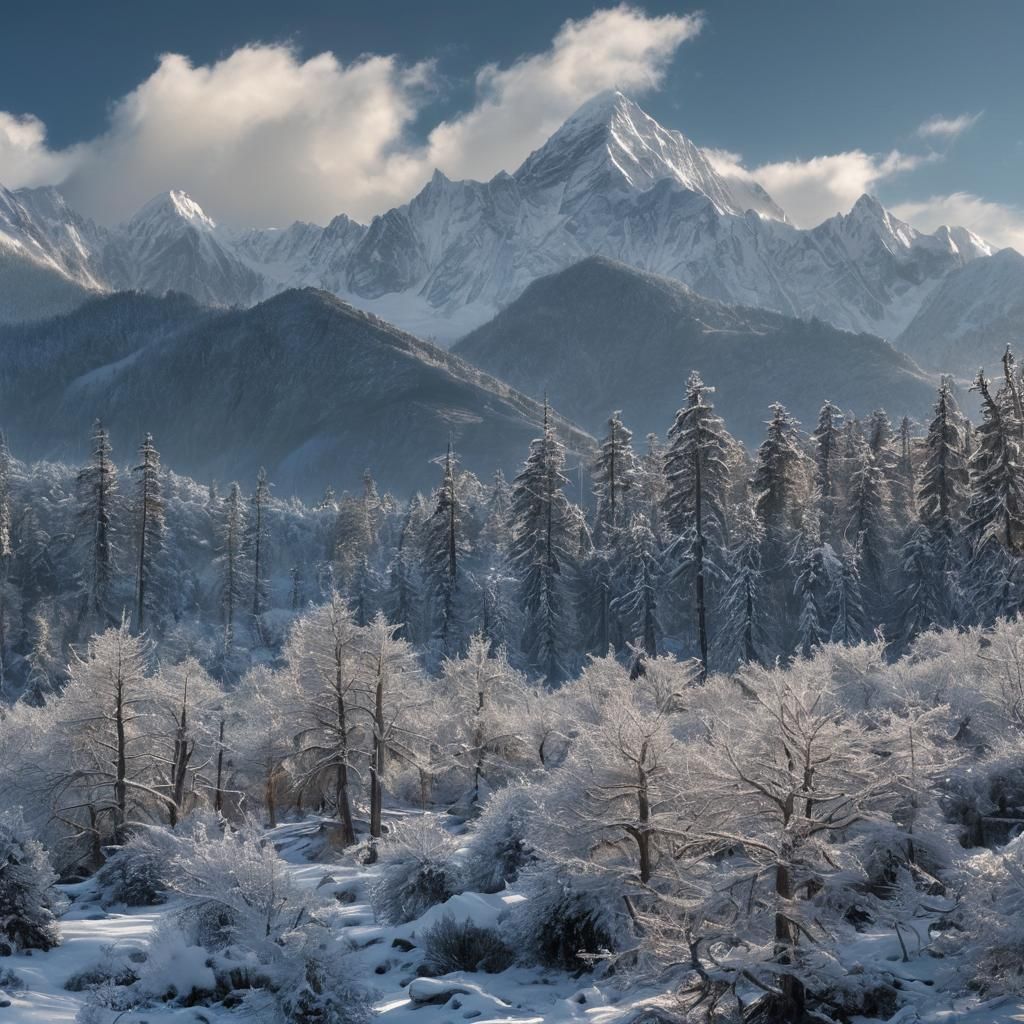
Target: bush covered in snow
point(993, 917)
point(452, 945)
point(498, 847)
point(248, 937)
point(137, 874)
point(29, 904)
point(418, 871)
point(565, 915)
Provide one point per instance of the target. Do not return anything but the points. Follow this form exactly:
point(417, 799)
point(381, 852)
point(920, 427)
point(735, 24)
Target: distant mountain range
point(602, 336)
point(611, 182)
point(302, 383)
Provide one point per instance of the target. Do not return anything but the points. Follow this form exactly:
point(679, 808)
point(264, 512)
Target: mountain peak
point(175, 205)
point(611, 144)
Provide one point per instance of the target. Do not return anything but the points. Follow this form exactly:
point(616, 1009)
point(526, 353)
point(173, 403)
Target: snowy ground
point(388, 958)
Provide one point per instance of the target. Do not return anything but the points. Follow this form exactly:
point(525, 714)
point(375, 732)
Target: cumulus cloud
point(520, 106)
point(998, 223)
point(24, 156)
point(812, 190)
point(940, 127)
point(264, 137)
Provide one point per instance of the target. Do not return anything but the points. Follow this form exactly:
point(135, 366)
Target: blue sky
point(816, 99)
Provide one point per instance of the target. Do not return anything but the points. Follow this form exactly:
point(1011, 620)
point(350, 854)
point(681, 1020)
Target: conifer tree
point(231, 561)
point(614, 477)
point(695, 503)
point(870, 528)
point(257, 542)
point(776, 481)
point(994, 519)
point(151, 528)
point(445, 543)
point(403, 594)
point(636, 606)
point(846, 600)
point(932, 558)
point(97, 488)
point(544, 539)
point(815, 564)
point(827, 447)
point(8, 597)
point(742, 636)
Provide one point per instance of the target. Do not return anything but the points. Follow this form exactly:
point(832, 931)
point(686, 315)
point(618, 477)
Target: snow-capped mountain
point(172, 245)
point(970, 318)
point(601, 336)
point(611, 182)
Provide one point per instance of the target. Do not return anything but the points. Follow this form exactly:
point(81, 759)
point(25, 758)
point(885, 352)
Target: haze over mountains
point(611, 181)
point(302, 384)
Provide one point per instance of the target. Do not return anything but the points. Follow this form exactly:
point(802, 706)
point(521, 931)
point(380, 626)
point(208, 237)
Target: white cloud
point(940, 127)
point(812, 190)
point(24, 155)
point(520, 106)
point(998, 223)
point(264, 137)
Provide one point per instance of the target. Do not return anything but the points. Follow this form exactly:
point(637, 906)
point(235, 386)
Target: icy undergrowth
point(388, 961)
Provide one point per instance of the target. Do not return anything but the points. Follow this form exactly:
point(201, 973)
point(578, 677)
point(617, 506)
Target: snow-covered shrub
point(452, 945)
point(137, 873)
point(565, 915)
point(418, 871)
point(985, 797)
point(498, 846)
point(248, 937)
point(29, 904)
point(993, 917)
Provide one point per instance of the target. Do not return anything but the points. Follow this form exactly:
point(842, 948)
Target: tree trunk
point(218, 793)
point(377, 758)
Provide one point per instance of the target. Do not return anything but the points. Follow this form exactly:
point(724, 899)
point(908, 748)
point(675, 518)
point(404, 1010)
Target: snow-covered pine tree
point(97, 487)
point(827, 441)
point(9, 598)
point(650, 483)
point(933, 556)
point(496, 532)
point(639, 569)
point(695, 503)
point(29, 900)
point(775, 484)
point(742, 635)
point(353, 536)
point(232, 570)
point(994, 519)
point(816, 567)
point(1009, 396)
point(849, 624)
point(614, 477)
point(403, 592)
point(444, 546)
point(870, 529)
point(544, 540)
point(904, 482)
point(257, 544)
point(150, 534)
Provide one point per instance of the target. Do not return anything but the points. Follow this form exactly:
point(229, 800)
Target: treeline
point(694, 547)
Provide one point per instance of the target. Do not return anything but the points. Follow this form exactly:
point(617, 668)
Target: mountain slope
point(602, 336)
point(970, 318)
point(303, 383)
